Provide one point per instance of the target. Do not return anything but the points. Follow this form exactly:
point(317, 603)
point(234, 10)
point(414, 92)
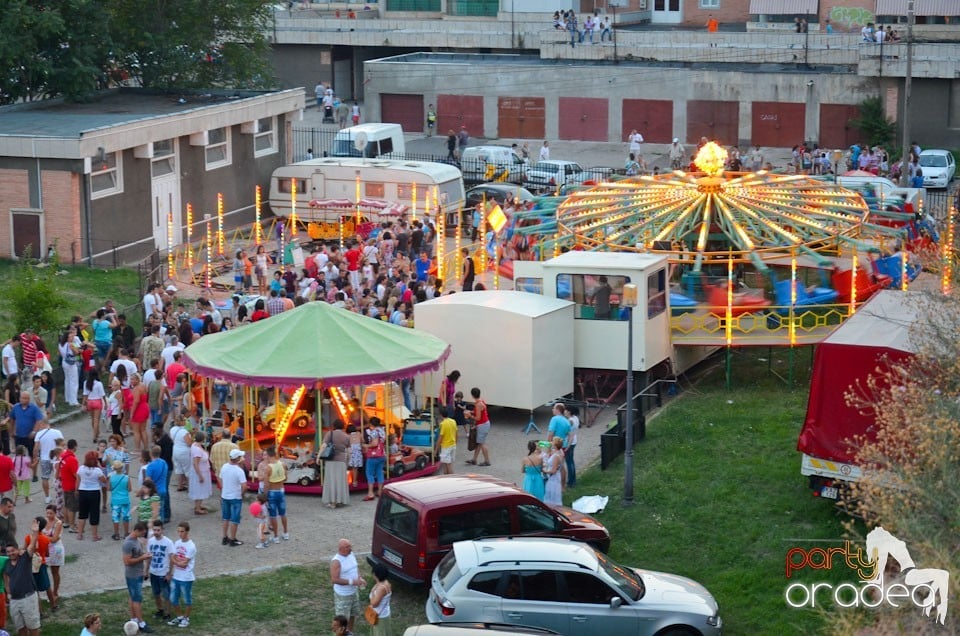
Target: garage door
point(653, 118)
point(454, 111)
point(836, 131)
point(583, 118)
point(778, 124)
point(521, 117)
point(26, 233)
point(406, 110)
point(717, 121)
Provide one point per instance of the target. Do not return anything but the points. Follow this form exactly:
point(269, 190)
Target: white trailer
point(330, 186)
point(517, 347)
point(600, 327)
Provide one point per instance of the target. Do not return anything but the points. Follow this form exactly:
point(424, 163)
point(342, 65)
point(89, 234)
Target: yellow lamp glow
point(258, 210)
point(190, 239)
point(171, 263)
point(219, 223)
point(284, 423)
point(710, 159)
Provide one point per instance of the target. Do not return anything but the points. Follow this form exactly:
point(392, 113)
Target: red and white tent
point(878, 334)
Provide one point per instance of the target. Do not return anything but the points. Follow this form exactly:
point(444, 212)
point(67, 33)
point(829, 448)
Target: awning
point(783, 7)
point(920, 7)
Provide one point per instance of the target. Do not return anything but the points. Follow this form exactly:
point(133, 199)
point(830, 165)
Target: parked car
point(492, 163)
point(566, 586)
point(474, 629)
point(551, 174)
point(418, 521)
point(498, 192)
point(939, 168)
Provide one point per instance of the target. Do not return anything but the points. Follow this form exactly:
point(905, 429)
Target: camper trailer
point(329, 187)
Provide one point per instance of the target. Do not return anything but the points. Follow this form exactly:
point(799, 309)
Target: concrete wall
point(615, 83)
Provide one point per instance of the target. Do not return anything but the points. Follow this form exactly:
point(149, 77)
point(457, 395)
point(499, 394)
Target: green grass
point(85, 290)
point(718, 497)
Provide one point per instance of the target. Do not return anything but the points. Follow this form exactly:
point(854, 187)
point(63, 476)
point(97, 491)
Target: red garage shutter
point(521, 117)
point(777, 124)
point(653, 118)
point(836, 131)
point(717, 121)
point(454, 111)
point(583, 118)
point(406, 110)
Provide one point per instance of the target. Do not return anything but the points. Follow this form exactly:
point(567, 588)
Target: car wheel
point(677, 630)
point(399, 468)
point(421, 462)
point(302, 421)
point(304, 481)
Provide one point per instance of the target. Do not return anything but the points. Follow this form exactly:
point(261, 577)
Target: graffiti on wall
point(851, 17)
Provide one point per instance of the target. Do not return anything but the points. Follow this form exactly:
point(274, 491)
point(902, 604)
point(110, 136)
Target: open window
point(656, 293)
point(597, 296)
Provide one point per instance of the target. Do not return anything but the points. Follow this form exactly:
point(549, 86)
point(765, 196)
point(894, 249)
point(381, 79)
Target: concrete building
point(105, 179)
point(518, 77)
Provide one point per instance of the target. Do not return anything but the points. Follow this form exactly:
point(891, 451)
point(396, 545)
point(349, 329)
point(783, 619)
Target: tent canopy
point(316, 342)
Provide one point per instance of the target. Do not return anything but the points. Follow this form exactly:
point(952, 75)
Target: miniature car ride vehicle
point(566, 586)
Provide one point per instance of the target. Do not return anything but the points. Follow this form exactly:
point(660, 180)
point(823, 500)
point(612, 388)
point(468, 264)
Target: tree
point(34, 295)
point(193, 43)
point(873, 123)
point(911, 482)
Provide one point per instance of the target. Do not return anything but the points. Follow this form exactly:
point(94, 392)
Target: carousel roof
point(696, 217)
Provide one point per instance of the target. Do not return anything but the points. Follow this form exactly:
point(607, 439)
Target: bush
point(34, 295)
point(878, 130)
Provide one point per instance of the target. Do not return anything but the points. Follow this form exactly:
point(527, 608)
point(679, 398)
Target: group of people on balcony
point(567, 21)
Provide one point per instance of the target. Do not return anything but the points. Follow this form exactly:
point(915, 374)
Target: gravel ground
point(314, 529)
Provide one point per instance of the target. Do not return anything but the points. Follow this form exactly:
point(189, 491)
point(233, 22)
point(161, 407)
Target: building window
point(597, 296)
point(164, 160)
point(265, 141)
point(656, 293)
point(709, 4)
point(218, 148)
point(106, 177)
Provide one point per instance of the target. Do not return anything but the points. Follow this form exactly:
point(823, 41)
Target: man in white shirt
point(168, 351)
point(44, 441)
point(545, 151)
point(9, 355)
point(152, 301)
point(233, 481)
point(183, 558)
point(125, 361)
point(160, 548)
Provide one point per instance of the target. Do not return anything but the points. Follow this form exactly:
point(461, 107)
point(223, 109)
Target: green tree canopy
point(69, 48)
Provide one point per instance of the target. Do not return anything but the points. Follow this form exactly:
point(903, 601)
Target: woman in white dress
point(554, 469)
point(200, 476)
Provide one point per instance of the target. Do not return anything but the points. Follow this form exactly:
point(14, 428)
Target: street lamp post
point(628, 299)
point(907, 85)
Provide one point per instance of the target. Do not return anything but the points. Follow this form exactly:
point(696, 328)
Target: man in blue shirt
point(559, 424)
point(25, 416)
point(157, 470)
point(422, 266)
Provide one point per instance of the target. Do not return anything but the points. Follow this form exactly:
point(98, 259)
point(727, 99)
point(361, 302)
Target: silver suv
point(565, 586)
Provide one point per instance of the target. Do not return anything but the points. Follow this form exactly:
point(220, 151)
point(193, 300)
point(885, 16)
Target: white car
point(552, 174)
point(939, 168)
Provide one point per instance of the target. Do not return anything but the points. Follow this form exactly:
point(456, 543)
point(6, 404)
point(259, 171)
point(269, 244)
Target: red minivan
point(419, 520)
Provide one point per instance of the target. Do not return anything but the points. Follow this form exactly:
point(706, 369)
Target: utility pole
point(907, 81)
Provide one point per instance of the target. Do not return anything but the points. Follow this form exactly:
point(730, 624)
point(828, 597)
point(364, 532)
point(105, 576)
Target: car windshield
point(933, 161)
point(546, 167)
point(628, 581)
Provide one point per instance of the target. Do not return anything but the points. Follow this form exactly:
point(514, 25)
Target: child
point(277, 283)
point(459, 407)
point(144, 460)
point(263, 526)
point(392, 441)
point(355, 461)
point(238, 272)
point(23, 467)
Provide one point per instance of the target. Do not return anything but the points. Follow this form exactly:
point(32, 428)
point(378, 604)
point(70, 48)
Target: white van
point(380, 140)
point(328, 187)
point(492, 163)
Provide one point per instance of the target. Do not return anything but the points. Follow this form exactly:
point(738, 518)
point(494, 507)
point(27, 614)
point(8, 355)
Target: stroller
point(328, 115)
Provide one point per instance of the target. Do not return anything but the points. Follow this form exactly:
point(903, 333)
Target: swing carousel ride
point(722, 231)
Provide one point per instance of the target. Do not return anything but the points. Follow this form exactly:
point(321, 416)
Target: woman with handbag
point(374, 453)
point(335, 490)
point(378, 612)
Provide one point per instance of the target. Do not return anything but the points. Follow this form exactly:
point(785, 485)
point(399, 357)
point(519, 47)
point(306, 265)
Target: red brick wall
point(61, 211)
point(14, 193)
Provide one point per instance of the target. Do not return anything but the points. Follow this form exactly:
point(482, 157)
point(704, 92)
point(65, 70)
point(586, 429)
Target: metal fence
point(938, 204)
